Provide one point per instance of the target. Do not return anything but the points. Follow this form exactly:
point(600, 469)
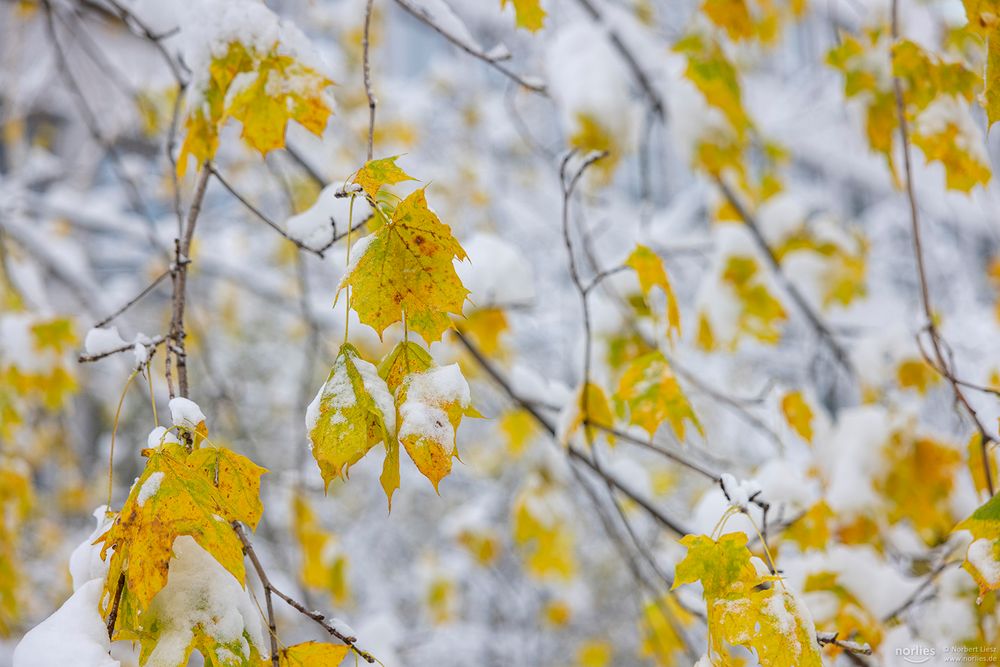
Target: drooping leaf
point(407, 267)
point(798, 414)
point(653, 395)
point(377, 173)
point(431, 405)
point(590, 410)
point(649, 268)
point(352, 413)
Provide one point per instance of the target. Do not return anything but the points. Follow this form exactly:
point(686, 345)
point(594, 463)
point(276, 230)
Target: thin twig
point(153, 342)
point(365, 43)
point(421, 15)
point(942, 365)
point(269, 589)
point(134, 300)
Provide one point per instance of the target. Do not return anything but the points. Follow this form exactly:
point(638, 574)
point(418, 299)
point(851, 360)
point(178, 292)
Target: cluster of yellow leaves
point(324, 565)
point(651, 393)
point(529, 13)
point(984, 21)
point(542, 530)
point(273, 88)
point(936, 95)
point(759, 20)
point(361, 406)
point(849, 616)
point(591, 135)
point(15, 501)
point(761, 314)
point(406, 267)
point(745, 608)
point(915, 373)
point(46, 381)
point(845, 263)
point(919, 480)
point(197, 493)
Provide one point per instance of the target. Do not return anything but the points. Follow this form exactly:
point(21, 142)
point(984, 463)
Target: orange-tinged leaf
point(377, 173)
point(653, 395)
point(313, 654)
point(651, 273)
point(733, 16)
point(406, 266)
point(174, 496)
point(352, 413)
point(431, 405)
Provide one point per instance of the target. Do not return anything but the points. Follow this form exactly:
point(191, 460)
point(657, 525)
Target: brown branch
point(421, 15)
point(115, 605)
point(630, 59)
point(365, 43)
point(182, 250)
point(574, 453)
point(156, 341)
point(825, 638)
point(269, 589)
point(942, 365)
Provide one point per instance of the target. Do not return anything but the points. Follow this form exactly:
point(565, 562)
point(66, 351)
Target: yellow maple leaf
point(798, 414)
point(377, 173)
point(744, 608)
point(662, 624)
point(176, 495)
point(594, 653)
point(485, 326)
point(812, 529)
point(715, 76)
point(519, 427)
point(406, 266)
point(651, 273)
point(313, 654)
point(529, 13)
point(352, 413)
point(653, 395)
point(431, 405)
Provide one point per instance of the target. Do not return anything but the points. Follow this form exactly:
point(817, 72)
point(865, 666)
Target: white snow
point(981, 556)
point(161, 436)
point(497, 273)
point(74, 635)
point(185, 413)
point(200, 593)
point(422, 414)
point(314, 227)
point(739, 491)
point(338, 393)
point(103, 341)
point(85, 563)
point(149, 488)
